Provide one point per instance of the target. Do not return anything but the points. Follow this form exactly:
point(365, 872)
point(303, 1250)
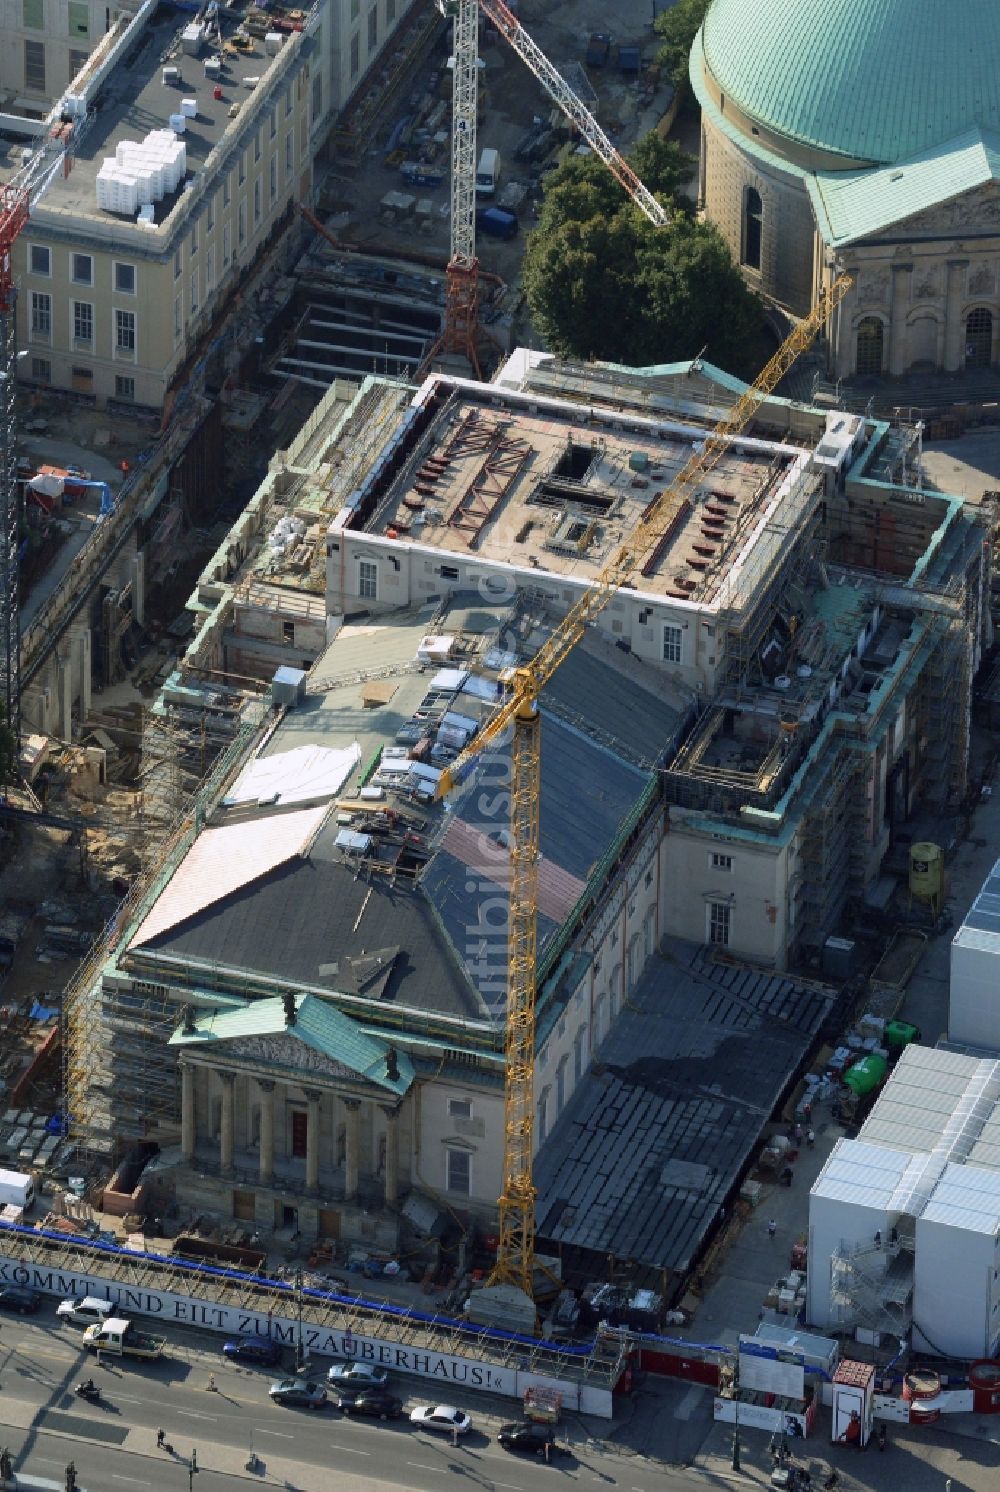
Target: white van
point(487, 173)
point(16, 1190)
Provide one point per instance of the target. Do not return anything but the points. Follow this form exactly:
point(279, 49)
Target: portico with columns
point(295, 1117)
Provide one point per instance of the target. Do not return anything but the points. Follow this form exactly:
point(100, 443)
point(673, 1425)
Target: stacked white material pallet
point(141, 172)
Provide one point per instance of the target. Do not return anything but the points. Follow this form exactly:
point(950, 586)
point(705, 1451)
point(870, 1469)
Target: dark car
point(253, 1349)
point(526, 1436)
point(18, 1298)
point(598, 49)
point(496, 222)
point(374, 1402)
point(298, 1393)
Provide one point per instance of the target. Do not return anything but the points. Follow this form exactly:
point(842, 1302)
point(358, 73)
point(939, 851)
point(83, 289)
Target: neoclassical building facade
point(840, 138)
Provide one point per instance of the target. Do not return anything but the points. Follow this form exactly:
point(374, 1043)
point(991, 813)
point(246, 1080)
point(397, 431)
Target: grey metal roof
point(655, 1137)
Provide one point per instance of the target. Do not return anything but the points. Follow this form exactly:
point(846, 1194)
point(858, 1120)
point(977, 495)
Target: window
point(561, 1082)
point(83, 323)
point(448, 572)
point(33, 15)
point(124, 333)
point(978, 338)
point(178, 318)
point(210, 271)
point(227, 244)
point(458, 1172)
point(317, 93)
point(459, 1108)
point(355, 9)
point(210, 214)
point(288, 100)
point(289, 148)
point(242, 223)
point(373, 28)
point(256, 147)
point(720, 862)
point(256, 201)
point(672, 638)
point(580, 1053)
point(77, 62)
point(753, 222)
point(227, 183)
point(82, 269)
point(125, 279)
point(272, 124)
point(390, 11)
point(543, 1115)
point(79, 18)
point(719, 922)
point(871, 337)
point(194, 291)
point(41, 370)
point(242, 173)
point(41, 314)
point(34, 66)
point(355, 55)
point(193, 247)
point(288, 632)
point(367, 577)
point(273, 181)
point(40, 260)
point(124, 388)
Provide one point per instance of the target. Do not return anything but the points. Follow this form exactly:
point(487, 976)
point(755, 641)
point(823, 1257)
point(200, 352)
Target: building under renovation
point(303, 1005)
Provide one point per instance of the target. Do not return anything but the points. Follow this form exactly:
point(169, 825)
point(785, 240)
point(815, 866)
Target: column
point(352, 1148)
point(391, 1112)
point(954, 326)
point(266, 1130)
point(187, 1111)
point(312, 1138)
point(228, 1080)
point(901, 276)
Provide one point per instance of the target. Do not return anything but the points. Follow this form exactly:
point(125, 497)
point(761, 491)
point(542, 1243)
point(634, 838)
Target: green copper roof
point(872, 80)
point(318, 1025)
point(850, 205)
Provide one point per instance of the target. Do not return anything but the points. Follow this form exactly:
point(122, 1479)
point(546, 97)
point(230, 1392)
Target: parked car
point(19, 1298)
point(525, 1435)
point(374, 1402)
point(87, 1312)
point(260, 1350)
point(440, 1417)
point(299, 1393)
point(357, 1375)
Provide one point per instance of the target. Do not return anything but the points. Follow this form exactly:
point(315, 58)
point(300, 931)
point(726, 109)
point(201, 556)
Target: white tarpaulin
point(304, 775)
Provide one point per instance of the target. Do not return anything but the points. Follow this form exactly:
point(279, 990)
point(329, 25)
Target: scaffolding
point(871, 1285)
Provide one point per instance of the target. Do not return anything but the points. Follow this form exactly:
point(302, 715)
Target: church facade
point(818, 159)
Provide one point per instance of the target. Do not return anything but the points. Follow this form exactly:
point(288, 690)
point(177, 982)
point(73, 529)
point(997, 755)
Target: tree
point(677, 29)
point(603, 282)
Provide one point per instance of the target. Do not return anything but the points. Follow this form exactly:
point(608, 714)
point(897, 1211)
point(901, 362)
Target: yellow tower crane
point(519, 709)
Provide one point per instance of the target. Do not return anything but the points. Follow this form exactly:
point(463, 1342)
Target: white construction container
point(178, 123)
point(273, 42)
point(974, 1006)
point(191, 39)
point(189, 108)
point(956, 1289)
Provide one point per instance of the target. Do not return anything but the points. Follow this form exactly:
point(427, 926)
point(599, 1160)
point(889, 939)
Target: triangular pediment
point(282, 1050)
point(969, 212)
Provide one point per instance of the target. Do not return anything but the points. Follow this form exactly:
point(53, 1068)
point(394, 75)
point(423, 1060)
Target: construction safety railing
point(599, 1363)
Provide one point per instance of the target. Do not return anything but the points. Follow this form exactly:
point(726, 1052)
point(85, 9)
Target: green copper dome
point(872, 80)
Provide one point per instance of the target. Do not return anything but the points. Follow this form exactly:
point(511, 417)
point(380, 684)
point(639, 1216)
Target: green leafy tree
point(677, 29)
point(602, 282)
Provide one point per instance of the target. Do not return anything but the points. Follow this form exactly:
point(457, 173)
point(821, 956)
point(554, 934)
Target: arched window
point(615, 995)
point(871, 341)
point(753, 223)
point(979, 338)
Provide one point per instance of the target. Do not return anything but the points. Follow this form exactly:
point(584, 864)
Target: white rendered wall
point(833, 1223)
point(974, 1003)
point(956, 1293)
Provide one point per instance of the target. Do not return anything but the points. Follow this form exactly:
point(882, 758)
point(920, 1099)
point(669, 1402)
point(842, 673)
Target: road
point(113, 1443)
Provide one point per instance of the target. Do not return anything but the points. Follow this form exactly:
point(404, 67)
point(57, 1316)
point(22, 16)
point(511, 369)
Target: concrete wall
point(974, 1002)
point(480, 1136)
point(355, 32)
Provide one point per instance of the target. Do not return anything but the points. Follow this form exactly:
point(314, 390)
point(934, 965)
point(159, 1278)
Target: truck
point(16, 1190)
point(487, 172)
point(120, 1338)
point(598, 49)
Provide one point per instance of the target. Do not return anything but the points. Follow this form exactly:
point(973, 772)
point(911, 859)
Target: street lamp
point(193, 1470)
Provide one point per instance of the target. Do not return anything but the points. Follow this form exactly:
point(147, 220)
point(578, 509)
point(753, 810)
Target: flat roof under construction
point(558, 487)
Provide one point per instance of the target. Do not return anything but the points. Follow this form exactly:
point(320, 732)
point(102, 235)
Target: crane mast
point(516, 1252)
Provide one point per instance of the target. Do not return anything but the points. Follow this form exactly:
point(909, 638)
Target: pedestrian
point(97, 1354)
point(772, 1228)
point(798, 1134)
point(160, 1438)
point(811, 1138)
point(211, 1383)
point(807, 1110)
point(786, 1176)
point(454, 1436)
